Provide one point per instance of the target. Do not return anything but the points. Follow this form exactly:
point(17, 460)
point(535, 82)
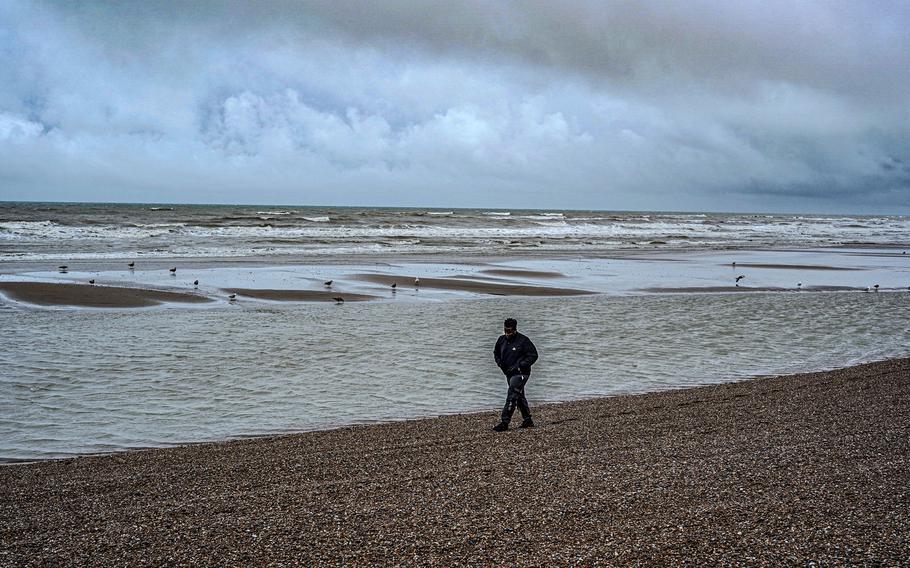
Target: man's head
point(510, 327)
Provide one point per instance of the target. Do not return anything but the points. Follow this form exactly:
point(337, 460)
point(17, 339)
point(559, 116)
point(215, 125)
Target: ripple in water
point(76, 382)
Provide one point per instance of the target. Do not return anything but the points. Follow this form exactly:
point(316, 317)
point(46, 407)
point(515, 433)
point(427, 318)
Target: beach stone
point(808, 469)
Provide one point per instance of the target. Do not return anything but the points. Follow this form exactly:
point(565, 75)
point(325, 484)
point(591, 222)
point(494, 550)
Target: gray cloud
point(700, 105)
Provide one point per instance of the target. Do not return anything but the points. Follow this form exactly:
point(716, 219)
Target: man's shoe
point(527, 423)
point(501, 427)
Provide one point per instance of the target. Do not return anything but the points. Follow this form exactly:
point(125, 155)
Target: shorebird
point(92, 281)
point(799, 285)
point(232, 297)
point(173, 271)
point(876, 287)
point(734, 264)
point(62, 268)
point(740, 277)
point(195, 283)
point(327, 283)
point(394, 285)
point(417, 282)
point(131, 265)
point(338, 300)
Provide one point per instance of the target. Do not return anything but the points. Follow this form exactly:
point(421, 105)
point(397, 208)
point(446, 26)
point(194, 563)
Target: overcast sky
point(689, 105)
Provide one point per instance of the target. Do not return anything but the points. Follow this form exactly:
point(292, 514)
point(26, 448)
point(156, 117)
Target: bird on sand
point(173, 271)
point(131, 265)
point(740, 277)
point(417, 282)
point(232, 297)
point(62, 268)
point(799, 285)
point(394, 285)
point(327, 283)
point(876, 287)
point(195, 283)
point(92, 281)
point(338, 300)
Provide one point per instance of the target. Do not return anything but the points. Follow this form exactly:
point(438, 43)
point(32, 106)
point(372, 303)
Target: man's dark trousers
point(516, 397)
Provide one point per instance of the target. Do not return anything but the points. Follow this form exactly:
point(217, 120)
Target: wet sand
point(93, 296)
point(792, 266)
point(300, 295)
point(807, 469)
point(715, 289)
point(523, 273)
point(745, 289)
point(475, 286)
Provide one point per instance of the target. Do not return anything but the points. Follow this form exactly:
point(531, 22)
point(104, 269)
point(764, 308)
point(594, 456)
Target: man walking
point(514, 354)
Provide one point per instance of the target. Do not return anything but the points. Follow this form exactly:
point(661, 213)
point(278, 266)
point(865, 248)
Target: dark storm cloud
point(847, 46)
point(713, 105)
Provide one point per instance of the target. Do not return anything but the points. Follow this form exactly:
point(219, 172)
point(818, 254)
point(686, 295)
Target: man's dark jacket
point(515, 355)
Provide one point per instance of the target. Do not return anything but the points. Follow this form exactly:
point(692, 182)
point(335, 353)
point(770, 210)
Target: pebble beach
point(808, 469)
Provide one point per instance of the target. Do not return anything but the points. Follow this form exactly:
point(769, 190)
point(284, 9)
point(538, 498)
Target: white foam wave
point(40, 231)
point(46, 230)
point(274, 212)
point(315, 235)
point(543, 217)
point(497, 213)
point(26, 227)
point(442, 213)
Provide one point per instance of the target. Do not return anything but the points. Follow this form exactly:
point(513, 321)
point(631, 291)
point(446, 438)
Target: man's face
point(509, 331)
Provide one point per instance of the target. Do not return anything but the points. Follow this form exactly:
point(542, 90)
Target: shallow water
point(83, 381)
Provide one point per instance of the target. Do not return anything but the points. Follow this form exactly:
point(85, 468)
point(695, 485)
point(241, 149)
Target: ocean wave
point(45, 230)
point(317, 228)
point(204, 232)
point(543, 217)
point(27, 226)
point(153, 225)
point(274, 212)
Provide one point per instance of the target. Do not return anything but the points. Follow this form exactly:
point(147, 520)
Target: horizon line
point(442, 208)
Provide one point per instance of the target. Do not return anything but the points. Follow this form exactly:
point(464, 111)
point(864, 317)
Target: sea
point(667, 313)
point(47, 231)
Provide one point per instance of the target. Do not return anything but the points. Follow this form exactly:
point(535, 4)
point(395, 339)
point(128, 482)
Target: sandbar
point(746, 289)
point(300, 295)
point(792, 266)
point(523, 273)
point(93, 296)
point(465, 285)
